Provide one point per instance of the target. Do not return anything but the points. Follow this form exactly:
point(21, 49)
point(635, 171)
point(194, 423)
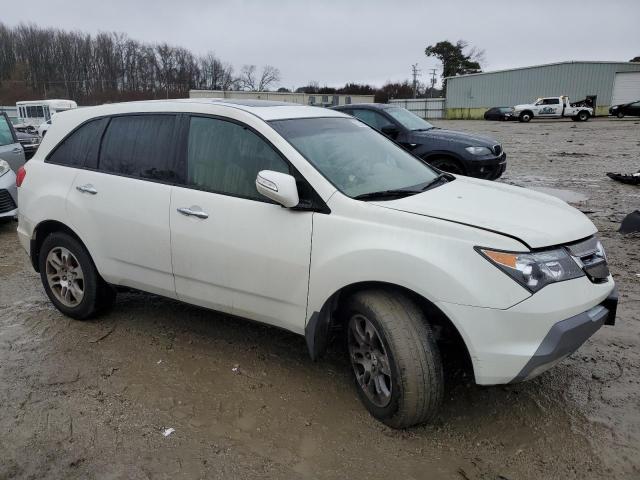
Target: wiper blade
point(386, 193)
point(436, 181)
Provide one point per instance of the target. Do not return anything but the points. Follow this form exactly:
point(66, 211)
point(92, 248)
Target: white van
point(308, 219)
point(33, 113)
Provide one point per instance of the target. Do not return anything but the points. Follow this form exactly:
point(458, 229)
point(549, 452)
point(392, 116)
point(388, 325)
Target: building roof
point(264, 109)
point(568, 62)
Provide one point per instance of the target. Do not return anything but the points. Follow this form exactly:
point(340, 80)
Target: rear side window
point(225, 157)
point(371, 118)
point(80, 149)
point(142, 146)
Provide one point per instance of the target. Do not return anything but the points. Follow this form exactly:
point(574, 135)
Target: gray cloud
point(373, 41)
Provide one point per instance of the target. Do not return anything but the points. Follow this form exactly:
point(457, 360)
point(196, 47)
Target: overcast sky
point(333, 42)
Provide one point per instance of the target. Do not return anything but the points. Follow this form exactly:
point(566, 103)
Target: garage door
point(626, 88)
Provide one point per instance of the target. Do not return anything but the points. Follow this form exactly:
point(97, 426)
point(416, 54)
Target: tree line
point(38, 62)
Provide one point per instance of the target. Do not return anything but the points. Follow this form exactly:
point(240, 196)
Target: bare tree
point(270, 75)
point(247, 79)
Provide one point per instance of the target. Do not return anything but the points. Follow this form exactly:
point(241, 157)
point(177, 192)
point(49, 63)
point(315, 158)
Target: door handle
point(16, 150)
point(88, 188)
point(193, 212)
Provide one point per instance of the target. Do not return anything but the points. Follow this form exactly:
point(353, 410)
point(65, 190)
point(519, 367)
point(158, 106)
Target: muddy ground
point(92, 399)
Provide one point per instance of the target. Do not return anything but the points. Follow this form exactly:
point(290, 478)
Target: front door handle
point(17, 150)
point(193, 212)
point(88, 188)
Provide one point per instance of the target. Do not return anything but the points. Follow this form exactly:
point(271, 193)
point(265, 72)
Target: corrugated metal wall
point(428, 108)
point(512, 87)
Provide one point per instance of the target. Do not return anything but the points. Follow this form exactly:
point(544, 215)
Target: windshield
point(408, 120)
point(352, 156)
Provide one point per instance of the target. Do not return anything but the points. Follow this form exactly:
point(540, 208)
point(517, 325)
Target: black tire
point(620, 115)
point(416, 378)
point(525, 117)
point(447, 164)
point(97, 294)
point(583, 116)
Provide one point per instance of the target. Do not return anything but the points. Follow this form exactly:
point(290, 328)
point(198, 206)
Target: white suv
point(309, 220)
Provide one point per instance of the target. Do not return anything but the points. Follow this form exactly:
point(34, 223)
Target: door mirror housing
point(279, 187)
point(390, 131)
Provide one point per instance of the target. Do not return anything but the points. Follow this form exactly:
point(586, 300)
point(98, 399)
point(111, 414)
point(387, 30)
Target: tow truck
point(553, 107)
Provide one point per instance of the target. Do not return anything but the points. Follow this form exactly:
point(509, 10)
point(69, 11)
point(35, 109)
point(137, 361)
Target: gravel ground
point(92, 399)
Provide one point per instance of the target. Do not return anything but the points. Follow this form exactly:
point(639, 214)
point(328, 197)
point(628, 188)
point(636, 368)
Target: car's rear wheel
point(583, 116)
point(447, 164)
point(620, 115)
point(394, 357)
point(70, 278)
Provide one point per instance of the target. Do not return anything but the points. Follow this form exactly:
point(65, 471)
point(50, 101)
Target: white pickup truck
point(552, 107)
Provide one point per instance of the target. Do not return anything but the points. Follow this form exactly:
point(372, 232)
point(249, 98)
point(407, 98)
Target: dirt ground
point(92, 399)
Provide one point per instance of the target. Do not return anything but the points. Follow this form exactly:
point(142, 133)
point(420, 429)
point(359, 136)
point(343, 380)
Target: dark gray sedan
point(448, 150)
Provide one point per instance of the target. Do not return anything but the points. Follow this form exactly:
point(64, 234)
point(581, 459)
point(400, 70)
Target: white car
point(309, 220)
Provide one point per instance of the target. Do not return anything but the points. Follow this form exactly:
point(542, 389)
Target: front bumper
point(8, 195)
point(490, 168)
point(521, 342)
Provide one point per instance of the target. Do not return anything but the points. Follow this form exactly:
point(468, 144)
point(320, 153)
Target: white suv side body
point(304, 269)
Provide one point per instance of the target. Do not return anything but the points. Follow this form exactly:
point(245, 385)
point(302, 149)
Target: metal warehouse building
point(469, 96)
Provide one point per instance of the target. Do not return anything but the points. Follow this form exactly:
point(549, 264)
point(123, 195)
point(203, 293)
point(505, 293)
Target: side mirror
point(390, 131)
point(279, 187)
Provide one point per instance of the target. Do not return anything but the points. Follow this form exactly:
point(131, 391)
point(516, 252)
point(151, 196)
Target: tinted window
point(371, 118)
point(225, 157)
point(551, 101)
point(408, 120)
point(142, 146)
point(80, 149)
point(6, 137)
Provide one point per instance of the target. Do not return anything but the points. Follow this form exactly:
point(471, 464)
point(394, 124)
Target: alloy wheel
point(65, 276)
point(369, 360)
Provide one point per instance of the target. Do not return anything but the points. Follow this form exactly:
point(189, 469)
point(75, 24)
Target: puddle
point(568, 196)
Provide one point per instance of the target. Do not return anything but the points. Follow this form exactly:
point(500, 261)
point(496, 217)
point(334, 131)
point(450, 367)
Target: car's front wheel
point(620, 115)
point(447, 164)
point(394, 357)
point(70, 278)
point(525, 117)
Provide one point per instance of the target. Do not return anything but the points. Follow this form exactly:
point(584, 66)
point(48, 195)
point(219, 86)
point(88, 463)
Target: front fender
point(431, 257)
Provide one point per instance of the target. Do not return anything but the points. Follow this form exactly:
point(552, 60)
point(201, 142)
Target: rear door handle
point(193, 212)
point(88, 188)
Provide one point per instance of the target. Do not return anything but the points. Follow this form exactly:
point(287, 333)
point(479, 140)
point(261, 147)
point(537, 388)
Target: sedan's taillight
point(22, 173)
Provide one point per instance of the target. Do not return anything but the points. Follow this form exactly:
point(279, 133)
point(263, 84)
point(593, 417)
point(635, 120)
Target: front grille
point(6, 202)
point(497, 149)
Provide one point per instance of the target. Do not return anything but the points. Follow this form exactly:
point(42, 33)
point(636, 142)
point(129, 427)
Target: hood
point(522, 106)
point(536, 219)
point(467, 139)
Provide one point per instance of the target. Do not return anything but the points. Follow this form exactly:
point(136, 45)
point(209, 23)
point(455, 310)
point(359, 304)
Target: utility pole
point(433, 82)
point(415, 73)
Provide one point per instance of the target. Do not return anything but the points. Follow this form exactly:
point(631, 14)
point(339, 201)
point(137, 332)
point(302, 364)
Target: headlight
point(4, 167)
point(535, 270)
point(478, 150)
